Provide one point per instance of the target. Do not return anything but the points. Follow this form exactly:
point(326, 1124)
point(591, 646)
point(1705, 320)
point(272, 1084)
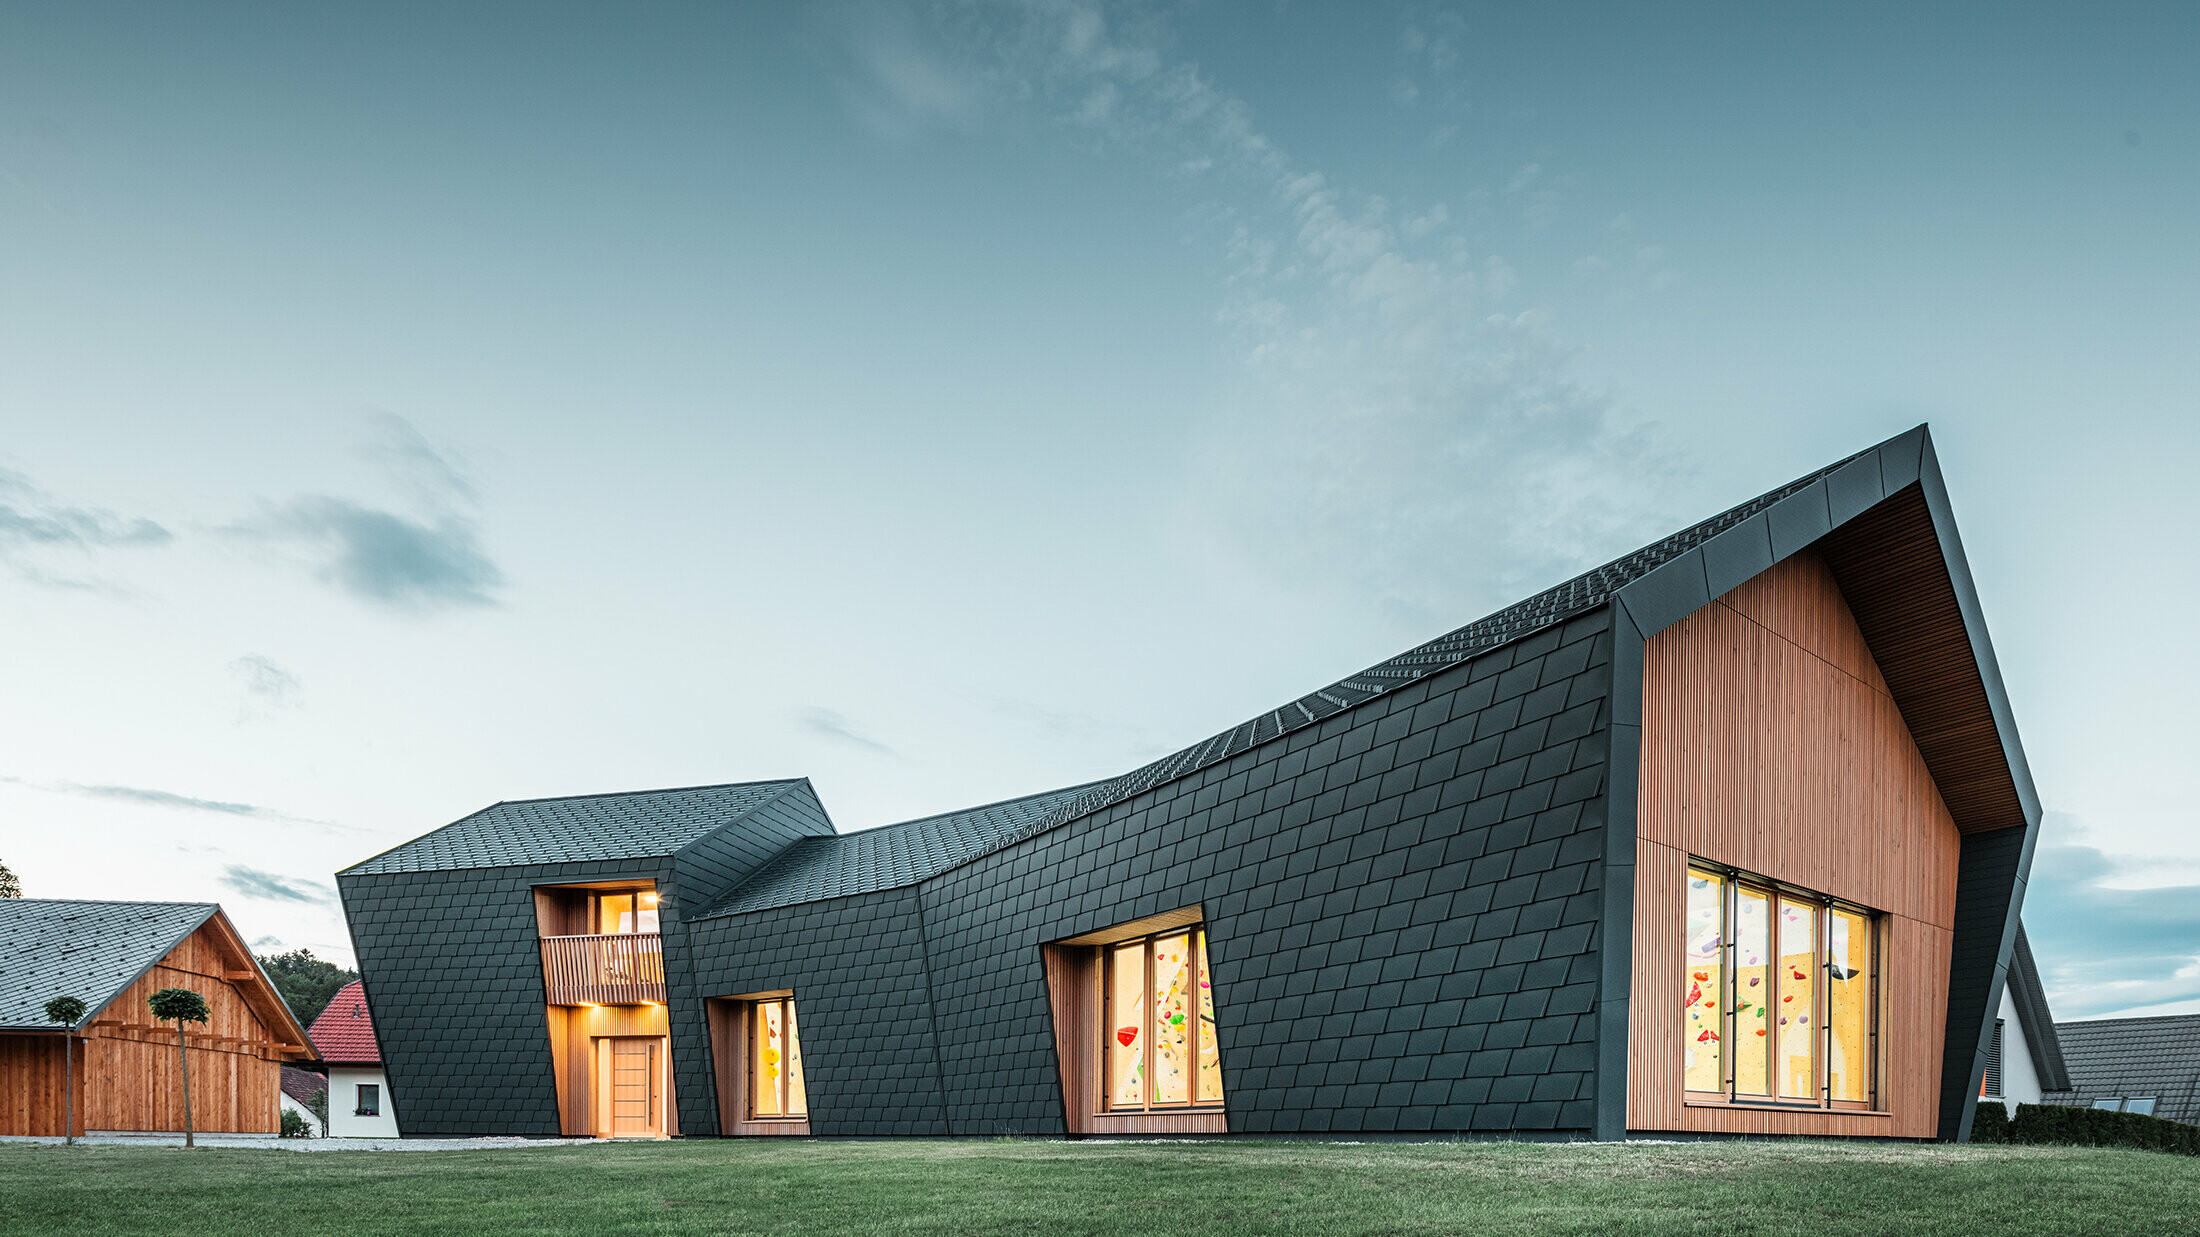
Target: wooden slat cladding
point(582, 1110)
point(1771, 742)
point(1889, 566)
point(624, 968)
point(33, 1095)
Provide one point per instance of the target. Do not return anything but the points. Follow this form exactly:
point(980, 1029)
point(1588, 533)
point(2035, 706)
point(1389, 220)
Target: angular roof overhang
point(1882, 520)
point(1883, 523)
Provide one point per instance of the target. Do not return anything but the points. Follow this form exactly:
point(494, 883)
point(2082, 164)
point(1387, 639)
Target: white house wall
point(2020, 1079)
point(343, 1102)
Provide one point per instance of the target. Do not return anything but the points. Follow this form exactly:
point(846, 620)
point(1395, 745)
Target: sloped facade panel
point(857, 969)
point(453, 974)
point(1401, 903)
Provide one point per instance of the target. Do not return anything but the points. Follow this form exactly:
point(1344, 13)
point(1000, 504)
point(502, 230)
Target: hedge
point(2053, 1124)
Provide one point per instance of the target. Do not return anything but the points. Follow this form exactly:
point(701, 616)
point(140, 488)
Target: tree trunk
point(183, 1062)
point(68, 1084)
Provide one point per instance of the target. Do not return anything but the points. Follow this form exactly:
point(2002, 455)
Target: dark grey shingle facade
point(1417, 885)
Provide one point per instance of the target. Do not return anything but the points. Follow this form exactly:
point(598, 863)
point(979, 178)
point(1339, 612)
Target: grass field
point(1148, 1189)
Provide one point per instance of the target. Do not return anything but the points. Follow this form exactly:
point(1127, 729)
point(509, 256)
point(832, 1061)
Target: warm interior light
point(649, 899)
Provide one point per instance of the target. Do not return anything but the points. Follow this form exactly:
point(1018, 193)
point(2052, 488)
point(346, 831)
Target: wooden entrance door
point(634, 1088)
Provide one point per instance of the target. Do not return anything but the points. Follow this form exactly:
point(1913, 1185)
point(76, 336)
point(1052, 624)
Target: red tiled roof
point(344, 1033)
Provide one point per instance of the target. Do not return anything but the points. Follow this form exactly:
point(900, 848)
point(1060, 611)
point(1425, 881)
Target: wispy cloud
point(2106, 941)
point(433, 559)
point(899, 80)
point(1408, 423)
point(833, 726)
point(34, 523)
point(145, 796)
point(265, 683)
point(383, 557)
point(269, 887)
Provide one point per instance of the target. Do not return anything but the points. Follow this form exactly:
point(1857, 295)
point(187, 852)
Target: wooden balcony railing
point(622, 968)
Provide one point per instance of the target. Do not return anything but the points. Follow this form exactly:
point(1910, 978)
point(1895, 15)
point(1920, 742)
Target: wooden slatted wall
point(1771, 743)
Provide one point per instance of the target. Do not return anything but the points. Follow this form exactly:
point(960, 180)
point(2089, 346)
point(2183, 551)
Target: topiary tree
point(180, 1005)
point(68, 1011)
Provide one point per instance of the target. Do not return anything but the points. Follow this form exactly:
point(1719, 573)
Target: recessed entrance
point(635, 1067)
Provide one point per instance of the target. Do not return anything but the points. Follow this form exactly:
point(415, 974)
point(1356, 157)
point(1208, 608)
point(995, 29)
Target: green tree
point(307, 983)
point(68, 1011)
point(9, 886)
point(180, 1005)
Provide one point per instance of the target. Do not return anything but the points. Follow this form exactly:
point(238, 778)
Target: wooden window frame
point(1195, 935)
point(755, 1020)
point(1780, 894)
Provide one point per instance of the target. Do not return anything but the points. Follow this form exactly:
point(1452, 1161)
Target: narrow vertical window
point(1795, 1014)
point(775, 1064)
point(1172, 1045)
point(1848, 1008)
point(1210, 1056)
point(1753, 992)
point(1127, 1036)
point(1160, 1050)
point(1703, 982)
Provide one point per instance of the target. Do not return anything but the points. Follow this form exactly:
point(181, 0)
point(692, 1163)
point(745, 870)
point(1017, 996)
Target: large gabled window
point(1780, 995)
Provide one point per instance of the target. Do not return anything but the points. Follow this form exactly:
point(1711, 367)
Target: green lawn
point(1797, 1189)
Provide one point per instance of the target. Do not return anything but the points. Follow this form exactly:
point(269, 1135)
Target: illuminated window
point(1159, 1032)
point(775, 1062)
point(618, 913)
point(1780, 995)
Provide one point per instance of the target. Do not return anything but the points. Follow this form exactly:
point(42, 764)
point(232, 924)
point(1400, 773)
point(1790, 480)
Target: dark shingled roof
point(889, 856)
point(2134, 1058)
point(634, 825)
point(2039, 1025)
point(821, 868)
point(88, 950)
point(302, 1085)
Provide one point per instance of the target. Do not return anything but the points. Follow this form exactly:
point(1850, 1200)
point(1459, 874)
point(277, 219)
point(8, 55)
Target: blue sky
point(400, 411)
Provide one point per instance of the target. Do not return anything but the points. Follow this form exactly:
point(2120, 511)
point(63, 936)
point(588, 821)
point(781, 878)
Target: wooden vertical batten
point(1771, 744)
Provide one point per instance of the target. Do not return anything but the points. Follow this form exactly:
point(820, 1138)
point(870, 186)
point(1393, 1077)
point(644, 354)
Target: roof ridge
point(103, 902)
point(657, 790)
point(1557, 604)
point(965, 811)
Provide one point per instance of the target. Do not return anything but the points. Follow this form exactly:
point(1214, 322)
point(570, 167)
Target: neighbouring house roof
point(2135, 1058)
point(302, 1085)
point(2030, 999)
point(53, 947)
point(634, 825)
point(887, 857)
point(344, 1033)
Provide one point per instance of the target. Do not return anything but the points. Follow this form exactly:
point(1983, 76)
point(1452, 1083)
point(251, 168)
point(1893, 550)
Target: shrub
point(295, 1126)
point(1991, 1125)
point(2095, 1127)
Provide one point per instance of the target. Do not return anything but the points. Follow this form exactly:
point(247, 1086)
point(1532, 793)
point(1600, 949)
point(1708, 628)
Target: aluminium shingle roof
point(820, 868)
point(887, 857)
point(1548, 608)
point(53, 947)
point(2135, 1058)
point(631, 825)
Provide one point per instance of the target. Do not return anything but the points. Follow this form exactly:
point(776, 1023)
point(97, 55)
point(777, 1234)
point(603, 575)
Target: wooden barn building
point(113, 956)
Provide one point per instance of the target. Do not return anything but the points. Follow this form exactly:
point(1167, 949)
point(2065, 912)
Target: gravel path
point(250, 1143)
